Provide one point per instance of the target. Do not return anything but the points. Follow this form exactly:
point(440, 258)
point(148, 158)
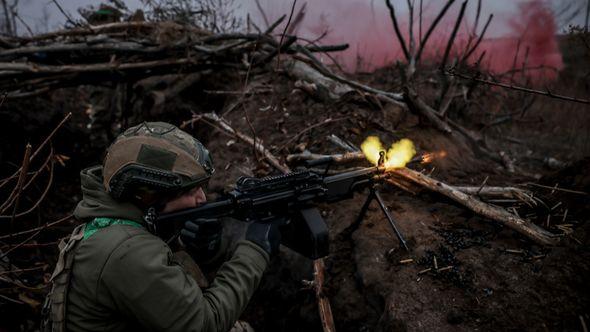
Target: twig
point(274, 25)
point(502, 192)
point(20, 244)
point(256, 143)
point(233, 93)
point(473, 33)
point(254, 139)
point(432, 27)
point(35, 245)
point(21, 285)
point(482, 185)
point(12, 197)
point(105, 28)
point(411, 41)
point(23, 23)
point(323, 302)
point(547, 93)
point(11, 299)
point(397, 30)
point(349, 147)
point(283, 35)
point(67, 16)
point(453, 34)
point(474, 47)
point(298, 19)
point(513, 70)
point(95, 67)
point(39, 200)
point(558, 189)
point(7, 22)
point(445, 81)
point(420, 22)
point(59, 125)
point(19, 186)
point(262, 13)
point(325, 122)
point(582, 321)
point(477, 15)
point(24, 270)
point(48, 225)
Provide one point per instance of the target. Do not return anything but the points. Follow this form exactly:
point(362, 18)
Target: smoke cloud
point(521, 33)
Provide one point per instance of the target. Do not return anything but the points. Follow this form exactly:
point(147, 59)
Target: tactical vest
point(54, 308)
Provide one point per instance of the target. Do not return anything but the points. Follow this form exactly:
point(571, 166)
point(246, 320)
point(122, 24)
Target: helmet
point(155, 159)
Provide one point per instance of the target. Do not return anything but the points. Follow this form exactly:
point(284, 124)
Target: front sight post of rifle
point(374, 194)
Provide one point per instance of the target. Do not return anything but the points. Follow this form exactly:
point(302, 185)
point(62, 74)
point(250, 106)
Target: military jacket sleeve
point(144, 283)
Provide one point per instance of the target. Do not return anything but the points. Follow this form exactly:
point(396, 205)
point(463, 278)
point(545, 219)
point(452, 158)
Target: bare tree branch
point(474, 47)
point(453, 34)
point(397, 30)
point(420, 22)
point(64, 13)
point(431, 28)
point(412, 42)
point(7, 21)
point(546, 93)
point(262, 13)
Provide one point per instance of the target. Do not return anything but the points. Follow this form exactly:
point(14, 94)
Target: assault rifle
point(291, 200)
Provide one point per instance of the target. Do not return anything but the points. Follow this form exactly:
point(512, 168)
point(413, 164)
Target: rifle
point(291, 201)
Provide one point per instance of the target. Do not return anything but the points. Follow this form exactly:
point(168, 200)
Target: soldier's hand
point(202, 237)
point(266, 235)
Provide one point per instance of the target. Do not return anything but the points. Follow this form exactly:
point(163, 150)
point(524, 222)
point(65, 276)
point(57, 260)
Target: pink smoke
point(367, 28)
point(532, 43)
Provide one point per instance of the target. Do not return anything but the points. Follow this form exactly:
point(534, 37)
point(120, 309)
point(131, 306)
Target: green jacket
point(124, 278)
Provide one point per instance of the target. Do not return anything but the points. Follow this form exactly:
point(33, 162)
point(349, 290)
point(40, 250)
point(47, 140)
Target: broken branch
point(547, 93)
point(526, 228)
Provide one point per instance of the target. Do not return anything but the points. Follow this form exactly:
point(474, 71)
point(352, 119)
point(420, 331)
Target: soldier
point(118, 273)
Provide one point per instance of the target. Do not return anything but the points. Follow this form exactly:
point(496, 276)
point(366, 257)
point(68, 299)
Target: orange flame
point(430, 157)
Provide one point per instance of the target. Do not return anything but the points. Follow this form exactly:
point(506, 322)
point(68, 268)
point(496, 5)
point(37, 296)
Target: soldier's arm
point(144, 283)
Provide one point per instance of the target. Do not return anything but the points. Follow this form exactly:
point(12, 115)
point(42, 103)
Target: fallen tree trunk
point(526, 228)
point(321, 86)
point(394, 98)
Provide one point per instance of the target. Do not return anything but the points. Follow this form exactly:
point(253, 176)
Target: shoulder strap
point(54, 309)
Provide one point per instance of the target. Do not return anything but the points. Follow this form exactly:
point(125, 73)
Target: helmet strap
point(150, 219)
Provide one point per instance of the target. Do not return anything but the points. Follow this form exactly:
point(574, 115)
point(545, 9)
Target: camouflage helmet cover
point(158, 156)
